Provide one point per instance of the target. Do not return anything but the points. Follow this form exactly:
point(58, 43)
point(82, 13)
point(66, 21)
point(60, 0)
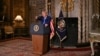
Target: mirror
point(95, 23)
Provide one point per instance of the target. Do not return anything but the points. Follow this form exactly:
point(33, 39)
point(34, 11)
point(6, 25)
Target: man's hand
point(36, 17)
point(46, 25)
point(51, 35)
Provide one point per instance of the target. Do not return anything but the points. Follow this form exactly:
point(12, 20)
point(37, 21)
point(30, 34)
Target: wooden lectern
point(40, 38)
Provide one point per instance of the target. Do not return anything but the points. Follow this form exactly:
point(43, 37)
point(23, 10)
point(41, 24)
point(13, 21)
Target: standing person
point(47, 21)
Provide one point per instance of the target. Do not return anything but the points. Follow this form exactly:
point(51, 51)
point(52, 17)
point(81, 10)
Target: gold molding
point(70, 5)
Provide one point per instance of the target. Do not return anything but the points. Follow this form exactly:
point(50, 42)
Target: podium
point(40, 38)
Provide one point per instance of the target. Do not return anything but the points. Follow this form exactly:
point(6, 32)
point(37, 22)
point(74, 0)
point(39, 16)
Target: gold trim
point(64, 5)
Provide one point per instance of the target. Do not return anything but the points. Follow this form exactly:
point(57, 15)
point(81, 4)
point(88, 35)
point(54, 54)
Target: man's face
point(44, 14)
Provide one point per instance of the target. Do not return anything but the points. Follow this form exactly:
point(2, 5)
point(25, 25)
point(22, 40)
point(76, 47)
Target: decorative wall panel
point(35, 8)
point(18, 8)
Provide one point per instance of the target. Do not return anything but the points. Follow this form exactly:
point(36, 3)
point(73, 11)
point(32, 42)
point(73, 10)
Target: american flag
point(52, 29)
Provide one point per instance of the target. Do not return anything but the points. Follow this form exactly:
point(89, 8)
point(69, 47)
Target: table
point(94, 38)
point(92, 45)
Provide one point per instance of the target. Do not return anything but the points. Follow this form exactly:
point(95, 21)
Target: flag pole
point(67, 8)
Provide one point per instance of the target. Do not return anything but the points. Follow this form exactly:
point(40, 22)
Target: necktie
point(44, 20)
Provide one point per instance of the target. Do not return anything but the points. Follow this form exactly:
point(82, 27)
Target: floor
point(20, 47)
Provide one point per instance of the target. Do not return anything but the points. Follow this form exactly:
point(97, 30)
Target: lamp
point(18, 21)
point(18, 18)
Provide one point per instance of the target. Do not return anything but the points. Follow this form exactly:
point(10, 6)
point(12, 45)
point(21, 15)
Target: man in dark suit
point(47, 21)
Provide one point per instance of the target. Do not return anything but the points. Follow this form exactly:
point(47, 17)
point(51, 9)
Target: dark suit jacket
point(47, 20)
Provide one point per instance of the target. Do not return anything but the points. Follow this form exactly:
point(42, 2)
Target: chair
point(8, 30)
point(94, 38)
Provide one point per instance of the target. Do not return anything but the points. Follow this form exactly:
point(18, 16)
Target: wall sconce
point(96, 15)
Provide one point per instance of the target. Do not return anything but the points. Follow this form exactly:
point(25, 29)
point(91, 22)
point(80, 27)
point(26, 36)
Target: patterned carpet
point(19, 47)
